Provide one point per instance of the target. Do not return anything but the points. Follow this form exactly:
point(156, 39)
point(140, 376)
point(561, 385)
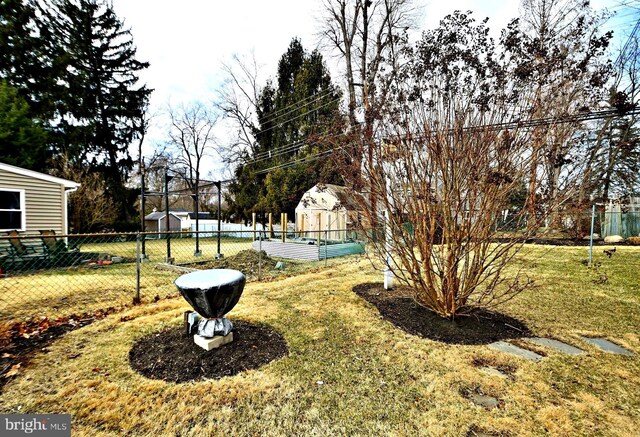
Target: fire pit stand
point(212, 294)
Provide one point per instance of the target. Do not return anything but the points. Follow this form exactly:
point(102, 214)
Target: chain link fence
point(578, 224)
point(52, 276)
point(49, 275)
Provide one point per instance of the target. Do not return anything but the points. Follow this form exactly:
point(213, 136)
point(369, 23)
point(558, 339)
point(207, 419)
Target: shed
point(622, 217)
point(157, 222)
point(189, 221)
point(31, 201)
point(326, 207)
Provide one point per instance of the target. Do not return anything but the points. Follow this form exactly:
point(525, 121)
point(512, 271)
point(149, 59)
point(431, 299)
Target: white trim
point(37, 175)
point(23, 209)
point(65, 211)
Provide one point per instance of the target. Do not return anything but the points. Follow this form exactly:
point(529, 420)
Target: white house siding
point(44, 201)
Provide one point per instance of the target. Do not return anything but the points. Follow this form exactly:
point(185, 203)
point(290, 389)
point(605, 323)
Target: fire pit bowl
point(212, 293)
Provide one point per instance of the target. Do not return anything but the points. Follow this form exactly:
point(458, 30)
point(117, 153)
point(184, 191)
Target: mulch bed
point(480, 327)
point(172, 356)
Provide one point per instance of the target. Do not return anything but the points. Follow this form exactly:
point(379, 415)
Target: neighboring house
point(157, 222)
point(330, 208)
point(204, 219)
point(32, 201)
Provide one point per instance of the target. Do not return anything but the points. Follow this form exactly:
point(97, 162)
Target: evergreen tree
point(22, 61)
point(22, 140)
point(26, 68)
point(98, 98)
point(294, 118)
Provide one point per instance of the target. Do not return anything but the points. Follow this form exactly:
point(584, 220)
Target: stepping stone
point(512, 349)
point(607, 346)
point(483, 400)
point(494, 372)
point(556, 344)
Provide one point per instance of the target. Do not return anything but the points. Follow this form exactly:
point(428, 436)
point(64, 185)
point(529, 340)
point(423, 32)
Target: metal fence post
point(136, 299)
point(593, 217)
point(260, 256)
point(326, 241)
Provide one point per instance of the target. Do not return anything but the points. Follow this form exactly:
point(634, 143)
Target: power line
point(271, 152)
point(296, 106)
point(298, 116)
point(547, 121)
point(286, 148)
point(305, 160)
point(630, 40)
point(298, 102)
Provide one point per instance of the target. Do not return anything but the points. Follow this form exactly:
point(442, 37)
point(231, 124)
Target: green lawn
point(350, 373)
point(182, 249)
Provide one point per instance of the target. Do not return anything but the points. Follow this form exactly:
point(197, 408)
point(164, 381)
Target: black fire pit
point(212, 293)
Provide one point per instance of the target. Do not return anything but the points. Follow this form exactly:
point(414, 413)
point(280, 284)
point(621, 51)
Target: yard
point(350, 372)
point(63, 291)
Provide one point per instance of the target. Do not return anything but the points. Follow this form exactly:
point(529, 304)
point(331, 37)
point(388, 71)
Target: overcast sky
point(185, 42)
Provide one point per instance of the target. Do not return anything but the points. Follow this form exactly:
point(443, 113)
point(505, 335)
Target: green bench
point(18, 253)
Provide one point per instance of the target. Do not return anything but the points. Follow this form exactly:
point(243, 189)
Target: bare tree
point(619, 148)
point(366, 34)
point(238, 102)
point(191, 136)
point(89, 206)
point(561, 58)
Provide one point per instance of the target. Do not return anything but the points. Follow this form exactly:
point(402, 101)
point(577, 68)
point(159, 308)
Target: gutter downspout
point(65, 221)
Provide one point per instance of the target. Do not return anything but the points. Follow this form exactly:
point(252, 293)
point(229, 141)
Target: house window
point(12, 211)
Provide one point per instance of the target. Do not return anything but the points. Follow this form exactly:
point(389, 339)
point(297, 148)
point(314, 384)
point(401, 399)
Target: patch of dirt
point(172, 356)
point(480, 327)
point(20, 341)
point(246, 261)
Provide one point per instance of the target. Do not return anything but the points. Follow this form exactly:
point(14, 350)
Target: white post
point(345, 236)
point(388, 274)
point(327, 227)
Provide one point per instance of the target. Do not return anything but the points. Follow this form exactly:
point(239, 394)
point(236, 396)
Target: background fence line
point(60, 275)
point(50, 275)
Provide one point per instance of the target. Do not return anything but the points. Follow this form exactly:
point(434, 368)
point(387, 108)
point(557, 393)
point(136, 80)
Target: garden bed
point(170, 355)
point(480, 327)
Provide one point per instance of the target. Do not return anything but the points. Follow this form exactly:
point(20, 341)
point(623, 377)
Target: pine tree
point(22, 140)
point(98, 98)
point(294, 114)
point(28, 71)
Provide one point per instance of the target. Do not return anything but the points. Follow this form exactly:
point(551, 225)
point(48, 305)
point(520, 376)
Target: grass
point(181, 248)
point(350, 373)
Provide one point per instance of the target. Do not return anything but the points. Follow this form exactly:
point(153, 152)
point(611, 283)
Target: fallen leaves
point(21, 340)
point(15, 369)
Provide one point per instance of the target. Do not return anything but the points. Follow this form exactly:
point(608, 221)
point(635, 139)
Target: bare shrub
point(454, 147)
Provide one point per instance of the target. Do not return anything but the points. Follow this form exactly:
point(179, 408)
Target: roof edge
point(37, 175)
